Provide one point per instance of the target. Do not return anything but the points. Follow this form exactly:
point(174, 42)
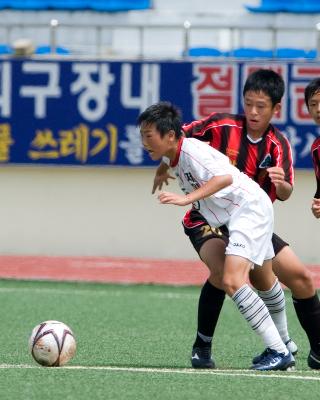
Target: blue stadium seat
point(5, 49)
point(284, 52)
point(99, 5)
point(293, 6)
point(204, 52)
point(24, 4)
point(119, 5)
point(67, 4)
point(251, 52)
point(311, 54)
point(47, 50)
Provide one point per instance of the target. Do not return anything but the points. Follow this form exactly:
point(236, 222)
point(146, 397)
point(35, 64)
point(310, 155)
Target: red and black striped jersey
point(315, 152)
point(228, 134)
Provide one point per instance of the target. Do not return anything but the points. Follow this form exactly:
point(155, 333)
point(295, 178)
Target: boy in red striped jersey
point(312, 99)
point(259, 149)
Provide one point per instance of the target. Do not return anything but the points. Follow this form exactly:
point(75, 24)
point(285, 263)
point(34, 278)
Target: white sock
point(256, 313)
point(275, 301)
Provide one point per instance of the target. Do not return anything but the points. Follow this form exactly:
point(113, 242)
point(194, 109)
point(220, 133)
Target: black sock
point(308, 313)
point(209, 308)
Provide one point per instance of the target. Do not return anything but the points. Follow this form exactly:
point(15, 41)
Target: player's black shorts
point(199, 231)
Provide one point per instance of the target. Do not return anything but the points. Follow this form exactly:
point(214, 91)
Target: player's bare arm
point(283, 188)
point(315, 208)
point(162, 176)
point(209, 188)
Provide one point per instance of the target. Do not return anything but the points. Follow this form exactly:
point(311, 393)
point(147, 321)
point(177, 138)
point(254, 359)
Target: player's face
point(259, 111)
point(314, 107)
point(153, 143)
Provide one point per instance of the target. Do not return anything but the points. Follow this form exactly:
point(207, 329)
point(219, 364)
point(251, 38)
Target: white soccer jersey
point(198, 163)
point(243, 206)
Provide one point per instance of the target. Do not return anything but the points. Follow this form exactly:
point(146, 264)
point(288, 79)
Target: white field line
point(99, 292)
point(183, 371)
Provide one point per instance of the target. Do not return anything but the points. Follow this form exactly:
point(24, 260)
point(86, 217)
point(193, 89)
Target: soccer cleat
point(313, 360)
point(201, 357)
point(290, 344)
point(274, 361)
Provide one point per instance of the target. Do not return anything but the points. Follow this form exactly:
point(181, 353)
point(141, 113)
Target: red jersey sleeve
point(283, 155)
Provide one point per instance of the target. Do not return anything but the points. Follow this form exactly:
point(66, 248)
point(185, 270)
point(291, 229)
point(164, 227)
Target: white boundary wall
point(110, 212)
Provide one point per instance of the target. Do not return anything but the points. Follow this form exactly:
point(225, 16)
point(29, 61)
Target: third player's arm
point(162, 176)
point(283, 188)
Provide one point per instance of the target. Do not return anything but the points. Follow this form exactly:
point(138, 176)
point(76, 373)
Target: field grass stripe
point(186, 371)
point(99, 292)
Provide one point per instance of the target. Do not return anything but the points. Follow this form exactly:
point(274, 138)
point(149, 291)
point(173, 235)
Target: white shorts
point(251, 228)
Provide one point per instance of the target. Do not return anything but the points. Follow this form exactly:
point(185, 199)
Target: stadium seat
point(293, 6)
point(251, 52)
point(204, 52)
point(47, 50)
point(67, 4)
point(311, 54)
point(24, 4)
point(119, 5)
point(5, 49)
point(285, 52)
point(99, 5)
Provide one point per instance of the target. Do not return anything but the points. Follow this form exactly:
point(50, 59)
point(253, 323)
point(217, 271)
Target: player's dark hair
point(164, 115)
point(311, 89)
point(267, 81)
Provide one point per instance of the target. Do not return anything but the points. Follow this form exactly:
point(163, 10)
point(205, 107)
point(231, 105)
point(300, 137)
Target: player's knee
point(230, 285)
point(306, 281)
point(263, 284)
point(216, 281)
point(300, 282)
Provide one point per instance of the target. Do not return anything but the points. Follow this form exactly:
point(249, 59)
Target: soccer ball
point(52, 343)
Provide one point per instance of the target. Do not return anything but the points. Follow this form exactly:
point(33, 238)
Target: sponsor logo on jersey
point(266, 162)
point(238, 245)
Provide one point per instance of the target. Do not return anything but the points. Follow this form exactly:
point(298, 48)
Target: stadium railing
point(67, 32)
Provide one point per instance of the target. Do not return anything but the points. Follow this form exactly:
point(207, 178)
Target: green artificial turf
point(134, 342)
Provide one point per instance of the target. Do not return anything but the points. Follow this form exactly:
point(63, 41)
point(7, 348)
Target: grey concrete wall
point(111, 212)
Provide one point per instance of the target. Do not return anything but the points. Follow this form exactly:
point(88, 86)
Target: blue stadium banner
point(65, 112)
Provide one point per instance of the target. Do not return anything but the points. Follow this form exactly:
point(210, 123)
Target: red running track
point(110, 270)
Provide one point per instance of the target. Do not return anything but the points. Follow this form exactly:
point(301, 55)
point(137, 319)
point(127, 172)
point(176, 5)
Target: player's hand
point(276, 175)
point(315, 207)
point(160, 179)
point(173, 198)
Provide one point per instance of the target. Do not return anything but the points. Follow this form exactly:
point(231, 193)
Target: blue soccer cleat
point(274, 361)
point(201, 357)
point(290, 344)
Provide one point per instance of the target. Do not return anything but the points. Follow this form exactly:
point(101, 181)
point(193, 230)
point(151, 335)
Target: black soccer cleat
point(313, 360)
point(201, 358)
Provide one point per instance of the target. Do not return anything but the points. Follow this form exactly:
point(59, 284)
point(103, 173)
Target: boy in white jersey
point(223, 195)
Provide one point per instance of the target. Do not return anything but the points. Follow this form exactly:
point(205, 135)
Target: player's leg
point(250, 232)
point(253, 309)
point(270, 291)
point(270, 296)
point(291, 271)
point(294, 274)
point(210, 245)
